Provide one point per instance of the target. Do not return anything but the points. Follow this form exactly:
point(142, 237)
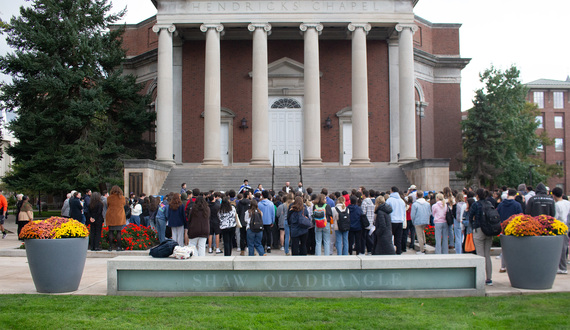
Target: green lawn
point(98, 312)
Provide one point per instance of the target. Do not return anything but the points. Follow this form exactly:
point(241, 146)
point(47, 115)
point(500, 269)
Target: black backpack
point(343, 221)
point(164, 249)
point(256, 223)
point(490, 220)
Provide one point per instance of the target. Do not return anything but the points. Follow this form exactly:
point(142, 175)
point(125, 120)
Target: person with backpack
point(540, 203)
point(322, 216)
point(281, 216)
point(228, 220)
point(299, 233)
point(341, 225)
point(383, 233)
point(439, 209)
point(355, 233)
point(420, 214)
point(254, 227)
point(199, 226)
point(481, 240)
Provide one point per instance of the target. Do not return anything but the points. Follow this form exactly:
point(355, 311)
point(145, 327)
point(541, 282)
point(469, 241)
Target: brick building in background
point(552, 99)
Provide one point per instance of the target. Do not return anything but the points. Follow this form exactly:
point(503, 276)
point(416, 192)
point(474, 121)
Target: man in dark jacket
point(75, 207)
point(242, 206)
point(541, 203)
point(509, 206)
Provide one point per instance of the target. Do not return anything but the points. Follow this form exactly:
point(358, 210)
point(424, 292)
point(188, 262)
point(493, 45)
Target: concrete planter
point(56, 264)
point(532, 261)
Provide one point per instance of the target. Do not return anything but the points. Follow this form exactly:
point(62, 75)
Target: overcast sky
point(533, 35)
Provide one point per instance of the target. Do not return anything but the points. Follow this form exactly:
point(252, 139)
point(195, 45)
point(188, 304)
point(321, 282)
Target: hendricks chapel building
point(288, 83)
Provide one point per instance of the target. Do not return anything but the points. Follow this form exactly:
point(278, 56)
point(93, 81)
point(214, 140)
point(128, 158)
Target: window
point(539, 121)
point(539, 99)
point(559, 144)
point(540, 148)
point(560, 163)
point(558, 100)
point(286, 103)
point(558, 122)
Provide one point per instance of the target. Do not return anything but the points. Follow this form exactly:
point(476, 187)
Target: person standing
point(245, 186)
point(420, 214)
point(26, 213)
point(183, 188)
point(242, 207)
point(215, 231)
point(439, 210)
point(562, 211)
point(281, 216)
point(96, 219)
point(86, 201)
point(75, 207)
point(199, 226)
point(299, 233)
point(115, 217)
point(398, 217)
point(339, 211)
point(322, 235)
point(355, 233)
point(3, 211)
point(482, 242)
point(506, 209)
point(267, 208)
point(227, 216)
point(460, 207)
point(65, 207)
point(383, 232)
point(368, 209)
point(253, 238)
point(540, 203)
point(176, 219)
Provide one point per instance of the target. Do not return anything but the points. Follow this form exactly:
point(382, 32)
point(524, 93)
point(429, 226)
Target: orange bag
point(469, 245)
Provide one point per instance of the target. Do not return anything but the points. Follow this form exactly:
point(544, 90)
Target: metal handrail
point(300, 169)
point(273, 172)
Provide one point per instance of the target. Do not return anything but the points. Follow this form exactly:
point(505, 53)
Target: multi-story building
point(553, 100)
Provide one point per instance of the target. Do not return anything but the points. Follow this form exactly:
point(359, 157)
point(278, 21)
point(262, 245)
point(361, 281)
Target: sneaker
point(4, 235)
point(489, 282)
point(238, 250)
point(242, 253)
point(218, 251)
point(560, 271)
point(268, 250)
point(420, 252)
point(502, 270)
point(498, 257)
point(282, 248)
point(210, 251)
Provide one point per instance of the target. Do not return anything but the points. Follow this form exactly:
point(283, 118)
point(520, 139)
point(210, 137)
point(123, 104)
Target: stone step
point(334, 178)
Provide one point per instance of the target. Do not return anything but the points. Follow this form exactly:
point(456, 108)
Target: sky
point(529, 34)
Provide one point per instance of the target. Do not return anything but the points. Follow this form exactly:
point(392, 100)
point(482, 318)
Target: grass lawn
point(98, 312)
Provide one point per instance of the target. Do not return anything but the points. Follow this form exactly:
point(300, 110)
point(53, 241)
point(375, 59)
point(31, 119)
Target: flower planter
point(532, 261)
point(56, 264)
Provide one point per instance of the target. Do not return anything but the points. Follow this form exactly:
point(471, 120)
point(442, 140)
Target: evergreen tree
point(499, 133)
point(78, 114)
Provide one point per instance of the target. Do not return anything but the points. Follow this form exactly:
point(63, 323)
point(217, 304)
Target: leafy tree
point(499, 133)
point(78, 114)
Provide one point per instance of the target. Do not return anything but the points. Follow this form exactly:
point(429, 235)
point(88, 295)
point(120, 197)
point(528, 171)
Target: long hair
point(226, 207)
point(321, 200)
point(379, 201)
point(116, 190)
point(253, 207)
point(95, 200)
point(200, 207)
point(176, 202)
point(297, 204)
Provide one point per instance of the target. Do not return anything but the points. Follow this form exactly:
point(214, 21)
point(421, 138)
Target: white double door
point(285, 135)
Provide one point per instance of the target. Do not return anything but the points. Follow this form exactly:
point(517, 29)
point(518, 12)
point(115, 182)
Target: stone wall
point(153, 174)
point(428, 174)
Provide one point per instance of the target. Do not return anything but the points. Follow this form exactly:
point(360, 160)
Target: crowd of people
point(300, 221)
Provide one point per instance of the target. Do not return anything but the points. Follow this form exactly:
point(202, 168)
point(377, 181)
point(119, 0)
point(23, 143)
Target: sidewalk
point(15, 277)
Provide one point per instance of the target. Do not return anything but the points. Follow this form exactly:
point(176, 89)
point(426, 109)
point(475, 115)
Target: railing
point(300, 168)
point(273, 172)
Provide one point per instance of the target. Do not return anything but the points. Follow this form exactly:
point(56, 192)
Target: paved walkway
point(15, 277)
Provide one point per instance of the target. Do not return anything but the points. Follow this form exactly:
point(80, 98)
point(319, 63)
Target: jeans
point(178, 234)
point(458, 236)
point(323, 237)
point(287, 234)
point(341, 242)
point(441, 243)
point(451, 235)
point(200, 244)
point(563, 265)
point(145, 221)
point(254, 243)
point(83, 220)
point(355, 239)
point(483, 248)
point(135, 219)
point(161, 229)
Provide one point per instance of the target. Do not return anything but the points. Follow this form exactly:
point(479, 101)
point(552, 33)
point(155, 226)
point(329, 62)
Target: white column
point(164, 98)
point(312, 101)
point(259, 97)
point(177, 104)
point(360, 154)
point(212, 95)
point(407, 96)
point(394, 80)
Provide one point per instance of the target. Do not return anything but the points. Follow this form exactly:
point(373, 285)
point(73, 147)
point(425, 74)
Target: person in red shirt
point(3, 210)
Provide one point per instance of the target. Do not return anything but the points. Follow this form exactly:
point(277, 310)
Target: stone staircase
point(335, 178)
